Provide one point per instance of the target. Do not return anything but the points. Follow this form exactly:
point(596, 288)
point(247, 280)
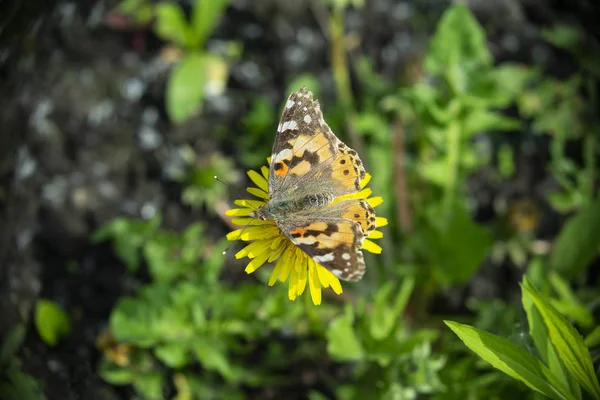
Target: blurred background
point(477, 120)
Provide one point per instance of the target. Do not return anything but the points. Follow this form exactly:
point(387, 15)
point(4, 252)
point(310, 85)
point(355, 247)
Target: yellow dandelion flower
point(268, 244)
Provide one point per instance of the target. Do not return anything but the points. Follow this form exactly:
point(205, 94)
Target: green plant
point(14, 384)
point(140, 11)
point(51, 321)
point(564, 364)
point(566, 111)
point(199, 71)
point(461, 97)
point(188, 317)
point(390, 357)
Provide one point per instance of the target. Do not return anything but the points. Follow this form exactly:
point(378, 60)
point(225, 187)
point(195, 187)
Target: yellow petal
point(258, 180)
point(234, 235)
point(265, 172)
point(372, 247)
point(278, 241)
point(328, 279)
point(375, 235)
point(275, 253)
point(259, 232)
point(365, 181)
point(254, 249)
point(335, 284)
point(290, 255)
point(257, 262)
point(276, 271)
point(314, 283)
point(239, 212)
point(293, 287)
point(380, 221)
point(301, 268)
point(375, 201)
point(253, 204)
point(258, 193)
point(250, 221)
point(363, 194)
point(322, 275)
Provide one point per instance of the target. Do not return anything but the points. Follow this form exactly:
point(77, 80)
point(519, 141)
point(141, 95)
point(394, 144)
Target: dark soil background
point(85, 137)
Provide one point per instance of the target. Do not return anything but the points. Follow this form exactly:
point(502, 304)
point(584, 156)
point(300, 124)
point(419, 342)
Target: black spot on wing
point(311, 157)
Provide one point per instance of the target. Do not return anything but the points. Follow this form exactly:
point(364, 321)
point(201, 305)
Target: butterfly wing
point(334, 240)
point(307, 157)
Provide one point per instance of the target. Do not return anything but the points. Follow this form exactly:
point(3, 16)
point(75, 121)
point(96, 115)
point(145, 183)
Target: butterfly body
point(310, 170)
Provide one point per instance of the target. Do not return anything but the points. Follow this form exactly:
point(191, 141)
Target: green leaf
point(458, 48)
point(160, 313)
point(16, 385)
point(385, 316)
point(10, 345)
point(115, 374)
point(127, 237)
point(593, 339)
point(173, 354)
point(211, 353)
point(185, 88)
point(539, 334)
point(512, 360)
point(568, 304)
point(150, 385)
point(206, 14)
point(140, 11)
point(578, 242)
point(499, 87)
point(482, 121)
point(171, 24)
point(506, 161)
point(457, 245)
point(435, 171)
point(568, 343)
point(564, 36)
point(51, 321)
point(342, 342)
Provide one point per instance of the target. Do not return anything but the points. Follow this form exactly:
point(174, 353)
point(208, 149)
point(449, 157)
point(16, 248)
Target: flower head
point(269, 244)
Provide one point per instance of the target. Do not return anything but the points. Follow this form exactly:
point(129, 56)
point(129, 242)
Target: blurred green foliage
point(51, 321)
point(197, 71)
point(14, 384)
point(194, 329)
point(461, 96)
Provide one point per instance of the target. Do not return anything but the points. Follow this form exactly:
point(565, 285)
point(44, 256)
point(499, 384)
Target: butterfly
point(310, 168)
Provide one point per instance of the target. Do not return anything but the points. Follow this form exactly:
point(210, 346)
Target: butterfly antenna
point(239, 236)
point(235, 191)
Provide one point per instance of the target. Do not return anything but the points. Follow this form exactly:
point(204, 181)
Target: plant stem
point(401, 186)
point(453, 157)
point(341, 75)
point(589, 148)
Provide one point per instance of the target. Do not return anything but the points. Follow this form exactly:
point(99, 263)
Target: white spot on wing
point(307, 119)
point(324, 258)
point(288, 125)
point(337, 272)
point(289, 104)
point(285, 154)
point(346, 256)
point(306, 240)
point(349, 263)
